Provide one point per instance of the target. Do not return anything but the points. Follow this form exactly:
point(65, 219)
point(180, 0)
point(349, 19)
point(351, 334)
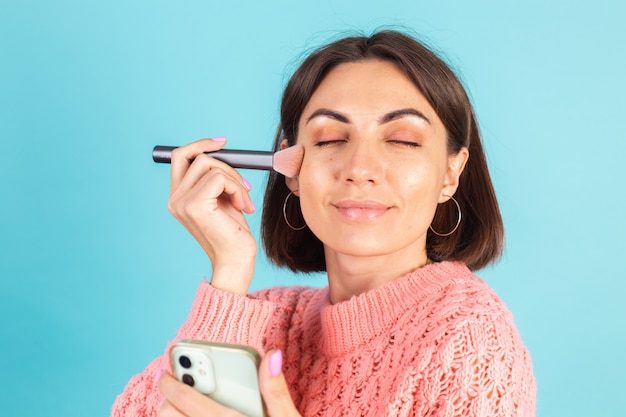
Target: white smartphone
point(226, 373)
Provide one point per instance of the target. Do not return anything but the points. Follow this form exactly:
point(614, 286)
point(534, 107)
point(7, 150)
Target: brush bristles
point(289, 160)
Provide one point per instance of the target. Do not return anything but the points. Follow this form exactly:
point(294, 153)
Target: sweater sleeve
point(220, 316)
point(216, 316)
point(485, 371)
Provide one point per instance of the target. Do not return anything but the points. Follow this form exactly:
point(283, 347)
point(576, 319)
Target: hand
point(209, 197)
point(183, 401)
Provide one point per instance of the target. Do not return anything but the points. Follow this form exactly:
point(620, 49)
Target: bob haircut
point(479, 239)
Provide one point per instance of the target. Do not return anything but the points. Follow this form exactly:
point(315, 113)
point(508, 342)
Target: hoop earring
point(458, 222)
point(285, 213)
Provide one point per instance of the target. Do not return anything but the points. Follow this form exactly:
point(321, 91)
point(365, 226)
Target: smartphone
point(226, 373)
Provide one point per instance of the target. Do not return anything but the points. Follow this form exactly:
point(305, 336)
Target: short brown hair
point(478, 241)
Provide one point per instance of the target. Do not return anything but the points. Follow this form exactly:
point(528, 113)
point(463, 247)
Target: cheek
point(314, 182)
point(422, 185)
point(318, 168)
point(306, 177)
point(308, 185)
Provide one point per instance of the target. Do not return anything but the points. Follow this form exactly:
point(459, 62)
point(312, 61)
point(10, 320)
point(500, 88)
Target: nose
point(362, 163)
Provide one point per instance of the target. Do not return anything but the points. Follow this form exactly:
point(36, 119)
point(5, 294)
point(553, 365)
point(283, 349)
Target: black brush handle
point(235, 158)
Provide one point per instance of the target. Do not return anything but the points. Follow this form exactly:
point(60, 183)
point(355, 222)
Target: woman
point(395, 203)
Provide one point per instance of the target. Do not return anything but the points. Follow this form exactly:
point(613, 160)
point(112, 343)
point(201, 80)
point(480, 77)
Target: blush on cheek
point(318, 168)
point(335, 165)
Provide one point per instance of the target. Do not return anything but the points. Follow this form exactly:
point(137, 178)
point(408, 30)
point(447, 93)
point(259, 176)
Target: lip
point(361, 210)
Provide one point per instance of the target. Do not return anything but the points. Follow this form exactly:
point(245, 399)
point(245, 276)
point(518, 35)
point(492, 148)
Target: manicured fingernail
point(219, 139)
point(158, 374)
point(253, 206)
point(276, 363)
point(247, 184)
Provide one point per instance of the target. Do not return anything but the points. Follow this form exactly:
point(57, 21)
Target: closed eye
point(324, 143)
point(408, 144)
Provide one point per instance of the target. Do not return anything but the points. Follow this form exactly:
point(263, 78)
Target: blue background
point(96, 276)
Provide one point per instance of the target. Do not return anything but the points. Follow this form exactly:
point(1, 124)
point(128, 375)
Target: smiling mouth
point(361, 210)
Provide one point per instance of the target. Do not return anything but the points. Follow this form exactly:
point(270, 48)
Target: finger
point(235, 187)
point(204, 164)
point(204, 192)
point(187, 401)
point(168, 410)
point(274, 387)
point(182, 157)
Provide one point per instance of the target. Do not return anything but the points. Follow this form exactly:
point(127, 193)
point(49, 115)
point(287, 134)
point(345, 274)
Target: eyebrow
point(386, 118)
point(396, 114)
point(328, 113)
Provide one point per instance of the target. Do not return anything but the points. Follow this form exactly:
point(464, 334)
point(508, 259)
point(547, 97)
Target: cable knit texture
point(436, 342)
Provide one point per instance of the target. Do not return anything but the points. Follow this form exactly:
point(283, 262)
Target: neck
point(349, 276)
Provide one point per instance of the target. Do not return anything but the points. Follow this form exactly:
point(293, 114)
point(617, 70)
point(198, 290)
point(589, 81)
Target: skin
point(209, 198)
point(375, 167)
point(181, 400)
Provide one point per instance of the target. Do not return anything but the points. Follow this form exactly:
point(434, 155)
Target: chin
point(361, 248)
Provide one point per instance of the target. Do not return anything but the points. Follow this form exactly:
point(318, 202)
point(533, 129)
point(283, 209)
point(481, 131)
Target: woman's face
point(375, 163)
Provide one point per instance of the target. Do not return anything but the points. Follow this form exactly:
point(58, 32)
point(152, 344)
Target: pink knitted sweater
point(436, 342)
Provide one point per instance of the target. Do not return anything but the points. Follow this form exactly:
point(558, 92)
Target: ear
point(292, 183)
point(456, 165)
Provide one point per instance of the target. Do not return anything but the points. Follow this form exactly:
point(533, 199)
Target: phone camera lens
point(188, 379)
point(185, 362)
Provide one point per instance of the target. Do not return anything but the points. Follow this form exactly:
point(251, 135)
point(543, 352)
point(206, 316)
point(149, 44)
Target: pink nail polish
point(158, 375)
point(247, 184)
point(219, 139)
point(276, 363)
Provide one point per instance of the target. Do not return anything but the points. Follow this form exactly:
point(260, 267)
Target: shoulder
point(472, 345)
point(460, 305)
point(289, 296)
point(465, 295)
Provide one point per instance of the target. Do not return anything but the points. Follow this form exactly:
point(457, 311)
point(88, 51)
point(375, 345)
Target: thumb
point(274, 387)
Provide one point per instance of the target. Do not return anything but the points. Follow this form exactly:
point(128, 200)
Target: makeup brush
point(286, 162)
